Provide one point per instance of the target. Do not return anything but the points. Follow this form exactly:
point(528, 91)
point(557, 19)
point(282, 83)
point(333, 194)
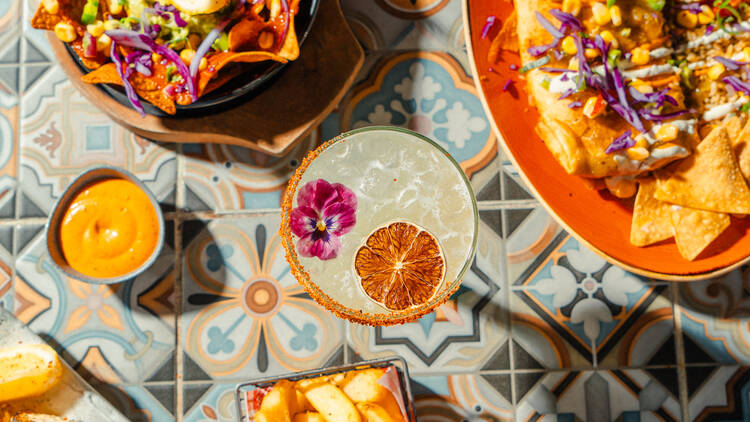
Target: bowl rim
point(717, 272)
point(338, 309)
point(61, 205)
point(227, 100)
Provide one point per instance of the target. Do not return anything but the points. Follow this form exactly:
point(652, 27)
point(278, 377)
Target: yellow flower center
point(321, 226)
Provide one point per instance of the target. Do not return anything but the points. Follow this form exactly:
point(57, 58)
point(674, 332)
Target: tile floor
point(541, 327)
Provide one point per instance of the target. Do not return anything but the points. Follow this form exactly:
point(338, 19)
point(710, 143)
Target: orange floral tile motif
point(400, 266)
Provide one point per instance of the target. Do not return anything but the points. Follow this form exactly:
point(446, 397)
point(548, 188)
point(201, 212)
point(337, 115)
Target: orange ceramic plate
point(597, 219)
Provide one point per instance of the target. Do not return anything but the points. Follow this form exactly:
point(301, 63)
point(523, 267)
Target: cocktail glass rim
point(338, 309)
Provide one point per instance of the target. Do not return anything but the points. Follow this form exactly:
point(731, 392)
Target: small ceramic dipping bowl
point(62, 205)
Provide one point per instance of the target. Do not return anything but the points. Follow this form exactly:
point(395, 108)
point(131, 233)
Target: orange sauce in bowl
point(109, 229)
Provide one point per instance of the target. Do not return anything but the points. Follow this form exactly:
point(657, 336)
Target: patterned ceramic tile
point(244, 314)
point(463, 398)
point(10, 34)
point(120, 333)
point(622, 395)
point(231, 178)
point(469, 332)
point(715, 316)
point(582, 306)
point(6, 267)
point(718, 393)
point(430, 93)
point(209, 402)
point(141, 403)
point(406, 24)
point(9, 119)
point(65, 135)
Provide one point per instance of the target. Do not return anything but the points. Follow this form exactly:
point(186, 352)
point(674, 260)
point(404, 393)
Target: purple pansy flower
point(324, 213)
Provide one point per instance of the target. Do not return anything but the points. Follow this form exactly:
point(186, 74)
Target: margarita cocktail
point(379, 225)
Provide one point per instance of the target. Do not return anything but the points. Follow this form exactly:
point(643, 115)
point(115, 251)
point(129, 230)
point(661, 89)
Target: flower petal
point(303, 220)
point(590, 312)
point(562, 286)
point(346, 196)
point(616, 284)
point(585, 260)
point(339, 218)
point(324, 247)
point(316, 194)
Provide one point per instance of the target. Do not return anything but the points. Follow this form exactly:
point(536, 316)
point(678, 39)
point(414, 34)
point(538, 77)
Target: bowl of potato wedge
point(375, 390)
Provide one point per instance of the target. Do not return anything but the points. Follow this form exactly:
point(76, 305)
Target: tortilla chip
point(709, 180)
point(506, 39)
point(217, 61)
point(290, 49)
point(734, 126)
point(652, 219)
point(44, 20)
point(741, 148)
point(106, 74)
point(695, 229)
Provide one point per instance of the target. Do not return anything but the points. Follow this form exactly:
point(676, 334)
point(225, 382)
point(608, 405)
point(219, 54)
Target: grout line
point(179, 205)
point(507, 204)
point(22, 221)
point(680, 350)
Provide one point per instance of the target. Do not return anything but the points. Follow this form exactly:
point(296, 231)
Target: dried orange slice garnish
point(400, 266)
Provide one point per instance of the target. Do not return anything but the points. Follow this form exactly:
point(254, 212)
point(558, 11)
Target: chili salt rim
point(333, 306)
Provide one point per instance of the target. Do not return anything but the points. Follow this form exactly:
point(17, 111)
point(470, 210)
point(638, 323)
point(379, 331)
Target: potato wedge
point(390, 405)
point(332, 403)
point(280, 403)
point(309, 417)
point(362, 386)
point(371, 412)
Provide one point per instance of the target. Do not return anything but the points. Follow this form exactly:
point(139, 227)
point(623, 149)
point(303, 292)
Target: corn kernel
point(601, 13)
point(96, 29)
point(572, 6)
point(637, 153)
point(609, 38)
point(204, 64)
point(640, 56)
point(266, 39)
point(65, 32)
point(111, 24)
point(103, 43)
point(616, 15)
point(746, 54)
point(569, 45)
point(687, 19)
point(640, 141)
point(667, 132)
point(187, 55)
point(706, 15)
point(115, 7)
point(620, 187)
point(591, 53)
point(716, 71)
point(594, 106)
point(642, 87)
point(51, 6)
point(573, 64)
point(155, 57)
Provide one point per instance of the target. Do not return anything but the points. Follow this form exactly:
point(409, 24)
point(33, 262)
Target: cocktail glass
point(383, 175)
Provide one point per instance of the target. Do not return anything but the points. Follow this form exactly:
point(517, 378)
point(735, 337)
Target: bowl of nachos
point(178, 57)
point(634, 125)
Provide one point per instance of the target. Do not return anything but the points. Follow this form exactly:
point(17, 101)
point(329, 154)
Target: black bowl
point(254, 78)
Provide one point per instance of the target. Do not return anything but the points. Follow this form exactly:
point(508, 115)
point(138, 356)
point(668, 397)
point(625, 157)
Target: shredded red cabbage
point(205, 45)
point(491, 21)
point(659, 97)
point(556, 70)
point(737, 84)
point(567, 19)
point(287, 17)
point(124, 72)
point(622, 142)
point(163, 10)
point(89, 45)
point(729, 63)
point(507, 85)
point(134, 39)
point(575, 104)
point(547, 25)
point(648, 115)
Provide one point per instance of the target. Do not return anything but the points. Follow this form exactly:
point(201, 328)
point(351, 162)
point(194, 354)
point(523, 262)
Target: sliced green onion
point(745, 107)
point(656, 5)
point(545, 83)
point(90, 9)
point(686, 75)
point(610, 3)
point(626, 32)
point(533, 65)
point(222, 43)
point(614, 56)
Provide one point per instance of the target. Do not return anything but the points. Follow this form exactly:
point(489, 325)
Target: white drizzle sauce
point(722, 110)
point(719, 34)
